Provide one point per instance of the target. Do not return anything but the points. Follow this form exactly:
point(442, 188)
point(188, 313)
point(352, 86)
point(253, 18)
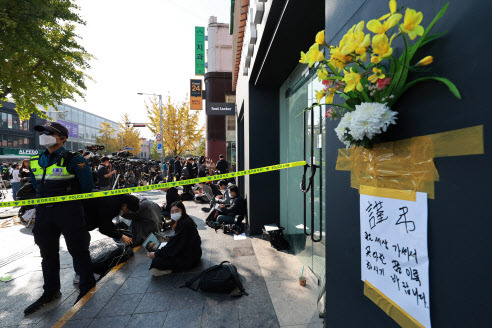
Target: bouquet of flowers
point(363, 70)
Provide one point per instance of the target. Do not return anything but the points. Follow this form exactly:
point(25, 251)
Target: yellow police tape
point(49, 200)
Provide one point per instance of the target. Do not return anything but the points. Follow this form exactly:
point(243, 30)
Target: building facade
point(323, 225)
point(18, 139)
point(220, 135)
point(146, 148)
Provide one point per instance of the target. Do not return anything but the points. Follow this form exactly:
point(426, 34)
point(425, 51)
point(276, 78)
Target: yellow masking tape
point(388, 193)
point(392, 309)
point(49, 200)
point(408, 164)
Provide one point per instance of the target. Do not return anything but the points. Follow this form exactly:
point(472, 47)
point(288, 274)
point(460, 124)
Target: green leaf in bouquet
point(419, 43)
point(454, 90)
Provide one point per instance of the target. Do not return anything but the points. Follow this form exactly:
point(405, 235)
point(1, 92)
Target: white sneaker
point(156, 273)
point(76, 279)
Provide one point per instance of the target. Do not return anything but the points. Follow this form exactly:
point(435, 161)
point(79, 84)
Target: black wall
point(459, 221)
point(263, 137)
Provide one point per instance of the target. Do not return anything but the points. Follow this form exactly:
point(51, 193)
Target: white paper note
point(394, 251)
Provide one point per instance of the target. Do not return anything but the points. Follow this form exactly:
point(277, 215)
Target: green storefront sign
point(199, 50)
point(20, 152)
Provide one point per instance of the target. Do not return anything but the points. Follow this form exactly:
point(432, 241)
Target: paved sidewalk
point(131, 297)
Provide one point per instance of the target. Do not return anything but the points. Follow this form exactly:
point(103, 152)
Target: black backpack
point(222, 278)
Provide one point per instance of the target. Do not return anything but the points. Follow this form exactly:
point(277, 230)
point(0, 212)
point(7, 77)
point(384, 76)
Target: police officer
point(58, 172)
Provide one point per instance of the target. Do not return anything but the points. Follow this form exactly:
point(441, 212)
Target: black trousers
point(67, 219)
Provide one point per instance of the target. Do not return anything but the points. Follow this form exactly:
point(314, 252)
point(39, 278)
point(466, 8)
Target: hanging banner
point(394, 260)
point(196, 94)
point(199, 50)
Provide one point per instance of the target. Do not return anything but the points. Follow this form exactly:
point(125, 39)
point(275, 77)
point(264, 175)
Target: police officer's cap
point(53, 127)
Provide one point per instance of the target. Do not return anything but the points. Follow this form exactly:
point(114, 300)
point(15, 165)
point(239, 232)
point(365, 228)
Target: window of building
point(9, 121)
point(81, 131)
point(4, 120)
point(15, 122)
point(4, 141)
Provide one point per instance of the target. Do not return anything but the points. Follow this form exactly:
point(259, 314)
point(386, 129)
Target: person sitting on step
point(183, 250)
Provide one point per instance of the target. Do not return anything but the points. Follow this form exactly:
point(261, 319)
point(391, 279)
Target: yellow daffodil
point(303, 58)
point(314, 55)
point(338, 60)
point(355, 41)
point(322, 74)
point(329, 96)
point(378, 74)
point(381, 48)
point(320, 95)
point(411, 23)
point(392, 5)
point(352, 81)
point(320, 38)
point(375, 25)
point(425, 61)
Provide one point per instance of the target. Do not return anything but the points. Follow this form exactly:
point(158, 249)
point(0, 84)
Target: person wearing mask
point(104, 174)
point(146, 220)
point(177, 168)
point(16, 181)
point(99, 214)
point(172, 196)
point(222, 165)
point(58, 172)
point(183, 250)
point(237, 207)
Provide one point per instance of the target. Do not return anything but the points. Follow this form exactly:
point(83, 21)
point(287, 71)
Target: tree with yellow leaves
point(106, 136)
point(131, 136)
point(180, 125)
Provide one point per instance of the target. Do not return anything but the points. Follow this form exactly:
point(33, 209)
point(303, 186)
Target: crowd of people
point(57, 172)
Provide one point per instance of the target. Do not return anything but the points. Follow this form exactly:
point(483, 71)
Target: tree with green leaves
point(41, 60)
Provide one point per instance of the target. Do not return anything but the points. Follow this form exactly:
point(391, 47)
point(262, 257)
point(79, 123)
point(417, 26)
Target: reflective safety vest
point(55, 180)
point(5, 169)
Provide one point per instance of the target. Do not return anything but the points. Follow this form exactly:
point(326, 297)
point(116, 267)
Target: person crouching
point(183, 250)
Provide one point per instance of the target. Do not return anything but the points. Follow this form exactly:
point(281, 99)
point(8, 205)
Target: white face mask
point(46, 140)
point(175, 216)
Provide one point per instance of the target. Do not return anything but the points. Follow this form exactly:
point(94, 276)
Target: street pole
point(160, 128)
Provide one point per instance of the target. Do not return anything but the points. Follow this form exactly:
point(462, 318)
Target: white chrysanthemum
point(367, 120)
point(387, 119)
point(343, 126)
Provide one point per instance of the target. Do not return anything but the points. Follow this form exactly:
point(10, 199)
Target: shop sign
point(196, 94)
point(199, 50)
point(73, 129)
point(17, 151)
point(220, 108)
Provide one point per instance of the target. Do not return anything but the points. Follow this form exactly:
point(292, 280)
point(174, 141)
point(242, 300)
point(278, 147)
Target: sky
point(141, 46)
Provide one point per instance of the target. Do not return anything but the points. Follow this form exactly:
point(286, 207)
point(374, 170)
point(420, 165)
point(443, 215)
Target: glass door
point(301, 197)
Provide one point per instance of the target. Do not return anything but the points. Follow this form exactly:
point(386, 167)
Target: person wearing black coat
point(237, 207)
point(222, 165)
point(183, 250)
point(177, 168)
